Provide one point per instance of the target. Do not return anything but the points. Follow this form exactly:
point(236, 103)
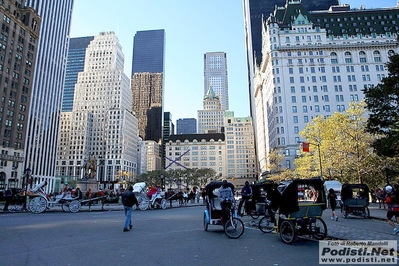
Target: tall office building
point(168, 129)
point(186, 126)
point(47, 89)
point(148, 82)
point(149, 52)
point(315, 63)
point(215, 76)
point(211, 118)
point(102, 123)
point(18, 49)
point(240, 147)
point(75, 64)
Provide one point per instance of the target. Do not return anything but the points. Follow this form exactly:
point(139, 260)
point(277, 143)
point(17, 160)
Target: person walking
point(129, 199)
point(332, 201)
point(393, 208)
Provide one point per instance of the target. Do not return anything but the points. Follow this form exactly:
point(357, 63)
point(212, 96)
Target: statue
point(90, 167)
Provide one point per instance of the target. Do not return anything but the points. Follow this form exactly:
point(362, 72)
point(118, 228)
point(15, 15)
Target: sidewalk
point(358, 228)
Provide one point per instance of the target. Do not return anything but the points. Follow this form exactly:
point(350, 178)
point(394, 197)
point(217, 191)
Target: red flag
point(305, 146)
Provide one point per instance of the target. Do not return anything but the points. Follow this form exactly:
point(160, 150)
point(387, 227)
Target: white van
point(337, 186)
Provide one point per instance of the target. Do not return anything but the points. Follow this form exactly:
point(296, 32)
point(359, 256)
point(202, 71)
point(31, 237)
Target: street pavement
point(351, 228)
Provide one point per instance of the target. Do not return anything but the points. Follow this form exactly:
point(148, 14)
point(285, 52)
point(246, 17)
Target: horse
point(171, 195)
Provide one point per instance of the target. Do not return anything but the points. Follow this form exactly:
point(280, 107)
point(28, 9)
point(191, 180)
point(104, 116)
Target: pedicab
point(255, 206)
point(214, 215)
point(149, 198)
point(355, 200)
point(297, 219)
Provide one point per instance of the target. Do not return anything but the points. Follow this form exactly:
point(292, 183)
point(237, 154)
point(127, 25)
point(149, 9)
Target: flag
point(305, 146)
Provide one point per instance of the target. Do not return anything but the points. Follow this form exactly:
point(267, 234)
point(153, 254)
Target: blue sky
point(192, 27)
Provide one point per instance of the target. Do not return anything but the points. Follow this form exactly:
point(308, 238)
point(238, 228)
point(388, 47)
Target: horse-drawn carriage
point(296, 218)
point(214, 215)
point(38, 200)
point(355, 200)
point(149, 198)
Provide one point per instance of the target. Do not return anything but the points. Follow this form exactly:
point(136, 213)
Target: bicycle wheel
point(319, 229)
point(234, 228)
point(205, 223)
point(266, 225)
point(287, 232)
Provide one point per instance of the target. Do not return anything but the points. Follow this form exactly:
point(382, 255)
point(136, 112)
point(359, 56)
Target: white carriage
point(38, 200)
point(146, 201)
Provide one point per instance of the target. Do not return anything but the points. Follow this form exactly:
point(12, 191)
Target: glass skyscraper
point(47, 89)
point(75, 64)
point(148, 82)
point(149, 52)
point(186, 126)
point(215, 76)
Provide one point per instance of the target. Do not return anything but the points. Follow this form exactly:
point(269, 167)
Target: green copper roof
point(340, 20)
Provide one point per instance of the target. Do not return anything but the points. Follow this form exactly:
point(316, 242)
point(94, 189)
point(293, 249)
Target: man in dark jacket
point(129, 199)
point(246, 194)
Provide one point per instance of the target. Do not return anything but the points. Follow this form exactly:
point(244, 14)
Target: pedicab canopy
point(289, 202)
point(213, 187)
point(354, 191)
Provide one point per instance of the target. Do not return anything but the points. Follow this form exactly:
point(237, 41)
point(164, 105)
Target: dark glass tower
point(148, 82)
point(148, 52)
point(75, 64)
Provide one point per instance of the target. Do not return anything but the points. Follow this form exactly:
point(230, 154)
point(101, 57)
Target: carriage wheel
point(74, 206)
point(205, 223)
point(287, 232)
point(367, 213)
point(144, 204)
point(234, 228)
point(163, 204)
point(266, 225)
point(319, 229)
point(37, 204)
point(65, 206)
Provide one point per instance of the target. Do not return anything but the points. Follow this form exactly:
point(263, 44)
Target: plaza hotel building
point(315, 63)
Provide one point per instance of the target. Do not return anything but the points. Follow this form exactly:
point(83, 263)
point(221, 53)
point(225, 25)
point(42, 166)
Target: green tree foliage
point(383, 104)
point(345, 149)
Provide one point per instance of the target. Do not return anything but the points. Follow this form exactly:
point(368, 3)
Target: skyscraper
point(102, 122)
point(149, 52)
point(18, 47)
point(75, 64)
point(215, 76)
point(47, 89)
point(148, 82)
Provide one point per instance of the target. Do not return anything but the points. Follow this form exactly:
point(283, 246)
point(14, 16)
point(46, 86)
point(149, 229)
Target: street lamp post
point(162, 182)
point(26, 178)
point(318, 150)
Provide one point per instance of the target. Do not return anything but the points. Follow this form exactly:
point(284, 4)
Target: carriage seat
point(215, 204)
point(352, 203)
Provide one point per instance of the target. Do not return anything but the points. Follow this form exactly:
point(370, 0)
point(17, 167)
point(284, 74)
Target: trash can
point(260, 207)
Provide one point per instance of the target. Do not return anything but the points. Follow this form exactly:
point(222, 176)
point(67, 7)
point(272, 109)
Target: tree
point(382, 102)
point(345, 148)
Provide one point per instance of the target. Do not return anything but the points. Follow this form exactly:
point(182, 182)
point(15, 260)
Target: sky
point(192, 28)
